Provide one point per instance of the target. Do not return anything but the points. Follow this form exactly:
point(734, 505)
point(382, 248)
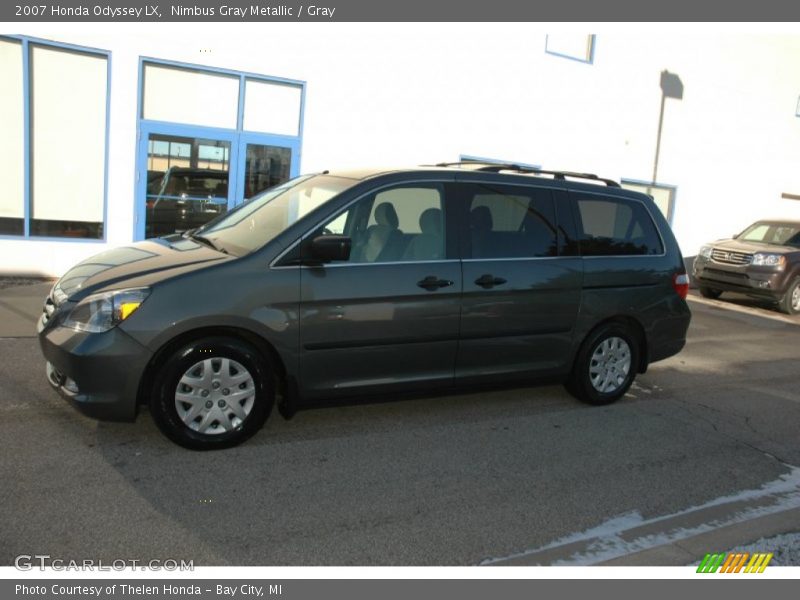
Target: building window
point(662, 193)
point(54, 115)
point(570, 45)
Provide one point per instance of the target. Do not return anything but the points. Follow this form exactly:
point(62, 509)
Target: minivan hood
point(752, 247)
point(142, 258)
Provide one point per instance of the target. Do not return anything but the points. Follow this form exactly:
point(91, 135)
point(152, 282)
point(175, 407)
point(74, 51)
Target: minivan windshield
point(264, 216)
point(780, 234)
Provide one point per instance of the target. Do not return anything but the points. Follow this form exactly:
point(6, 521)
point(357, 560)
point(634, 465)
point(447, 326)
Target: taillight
point(680, 281)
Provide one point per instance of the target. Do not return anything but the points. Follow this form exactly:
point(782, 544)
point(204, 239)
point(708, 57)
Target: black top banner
point(401, 10)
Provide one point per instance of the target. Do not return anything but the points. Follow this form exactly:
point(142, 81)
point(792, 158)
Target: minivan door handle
point(489, 281)
point(432, 283)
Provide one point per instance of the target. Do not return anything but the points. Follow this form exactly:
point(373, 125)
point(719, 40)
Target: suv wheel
point(605, 366)
point(707, 292)
point(212, 393)
point(790, 303)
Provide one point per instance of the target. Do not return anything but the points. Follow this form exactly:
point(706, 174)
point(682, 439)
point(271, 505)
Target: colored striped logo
point(735, 563)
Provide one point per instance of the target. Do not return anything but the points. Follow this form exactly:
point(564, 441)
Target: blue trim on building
point(26, 42)
point(672, 188)
point(26, 145)
point(589, 60)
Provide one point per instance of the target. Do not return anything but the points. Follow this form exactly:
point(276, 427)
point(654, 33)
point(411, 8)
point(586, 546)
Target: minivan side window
point(511, 222)
point(615, 227)
point(404, 223)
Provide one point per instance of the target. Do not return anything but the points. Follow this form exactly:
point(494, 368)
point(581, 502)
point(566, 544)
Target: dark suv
point(763, 262)
point(368, 283)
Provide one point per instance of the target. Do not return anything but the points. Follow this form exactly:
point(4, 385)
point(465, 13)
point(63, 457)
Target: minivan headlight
point(705, 251)
point(762, 259)
point(101, 312)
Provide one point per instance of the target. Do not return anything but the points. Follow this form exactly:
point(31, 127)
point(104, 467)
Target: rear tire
point(790, 303)
point(212, 393)
point(711, 293)
point(606, 365)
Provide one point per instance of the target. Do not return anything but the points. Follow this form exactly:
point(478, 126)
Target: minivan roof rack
point(497, 167)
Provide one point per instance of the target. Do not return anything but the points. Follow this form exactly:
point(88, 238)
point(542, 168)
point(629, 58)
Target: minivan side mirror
point(327, 248)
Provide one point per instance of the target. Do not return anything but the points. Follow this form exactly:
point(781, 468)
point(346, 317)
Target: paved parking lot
point(704, 441)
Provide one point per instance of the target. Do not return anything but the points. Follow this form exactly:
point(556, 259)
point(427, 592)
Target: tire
point(790, 303)
point(711, 293)
point(192, 395)
point(595, 382)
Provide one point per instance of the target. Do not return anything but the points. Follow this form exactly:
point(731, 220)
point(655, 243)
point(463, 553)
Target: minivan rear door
point(522, 283)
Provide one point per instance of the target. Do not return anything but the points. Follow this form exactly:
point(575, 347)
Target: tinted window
point(614, 226)
point(511, 222)
point(404, 223)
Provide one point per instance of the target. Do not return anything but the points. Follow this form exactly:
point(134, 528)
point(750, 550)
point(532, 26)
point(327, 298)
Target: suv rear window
point(615, 227)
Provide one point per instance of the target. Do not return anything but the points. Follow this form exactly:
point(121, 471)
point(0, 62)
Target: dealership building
point(112, 134)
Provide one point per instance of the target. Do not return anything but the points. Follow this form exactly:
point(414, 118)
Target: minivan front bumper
point(98, 373)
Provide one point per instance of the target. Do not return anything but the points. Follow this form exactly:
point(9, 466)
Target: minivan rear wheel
point(605, 366)
point(212, 393)
point(707, 292)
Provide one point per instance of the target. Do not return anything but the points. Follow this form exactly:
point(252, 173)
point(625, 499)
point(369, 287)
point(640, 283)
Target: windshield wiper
point(204, 240)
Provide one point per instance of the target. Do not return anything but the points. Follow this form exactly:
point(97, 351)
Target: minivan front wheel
point(605, 366)
point(212, 393)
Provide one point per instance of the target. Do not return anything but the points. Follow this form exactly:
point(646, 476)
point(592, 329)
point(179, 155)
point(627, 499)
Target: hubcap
point(796, 298)
point(610, 365)
point(215, 395)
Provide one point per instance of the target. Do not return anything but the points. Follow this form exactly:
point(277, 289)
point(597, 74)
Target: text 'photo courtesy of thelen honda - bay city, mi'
point(366, 283)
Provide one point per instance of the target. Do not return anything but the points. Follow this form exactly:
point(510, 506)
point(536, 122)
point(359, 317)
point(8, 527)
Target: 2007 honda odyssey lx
point(370, 282)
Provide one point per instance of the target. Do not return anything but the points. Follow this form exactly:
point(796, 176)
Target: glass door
point(189, 175)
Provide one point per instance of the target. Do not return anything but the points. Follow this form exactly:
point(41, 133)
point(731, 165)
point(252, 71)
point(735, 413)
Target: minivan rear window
point(615, 227)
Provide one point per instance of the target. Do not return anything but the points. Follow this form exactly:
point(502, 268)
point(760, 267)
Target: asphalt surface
point(448, 480)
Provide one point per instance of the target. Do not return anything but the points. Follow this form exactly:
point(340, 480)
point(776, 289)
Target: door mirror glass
point(329, 248)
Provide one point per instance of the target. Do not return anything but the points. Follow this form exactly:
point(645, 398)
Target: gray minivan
point(367, 283)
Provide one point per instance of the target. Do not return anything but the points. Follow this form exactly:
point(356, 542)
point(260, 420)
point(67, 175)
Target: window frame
point(465, 241)
point(673, 191)
point(587, 60)
point(450, 226)
point(574, 195)
point(238, 136)
point(27, 42)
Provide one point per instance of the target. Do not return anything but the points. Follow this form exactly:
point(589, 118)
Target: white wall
point(405, 94)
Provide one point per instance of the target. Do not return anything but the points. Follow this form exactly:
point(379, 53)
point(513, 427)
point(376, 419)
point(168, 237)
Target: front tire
point(790, 303)
point(710, 293)
point(212, 393)
point(605, 366)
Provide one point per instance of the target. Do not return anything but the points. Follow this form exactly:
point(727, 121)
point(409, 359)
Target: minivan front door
point(389, 316)
point(521, 292)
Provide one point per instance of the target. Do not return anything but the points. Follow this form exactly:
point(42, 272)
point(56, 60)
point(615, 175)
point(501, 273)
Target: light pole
point(671, 87)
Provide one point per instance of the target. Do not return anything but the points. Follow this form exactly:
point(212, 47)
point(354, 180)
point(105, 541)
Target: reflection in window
point(265, 167)
point(187, 183)
point(614, 227)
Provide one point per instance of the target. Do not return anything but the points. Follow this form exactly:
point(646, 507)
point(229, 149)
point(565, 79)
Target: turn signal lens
point(680, 281)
